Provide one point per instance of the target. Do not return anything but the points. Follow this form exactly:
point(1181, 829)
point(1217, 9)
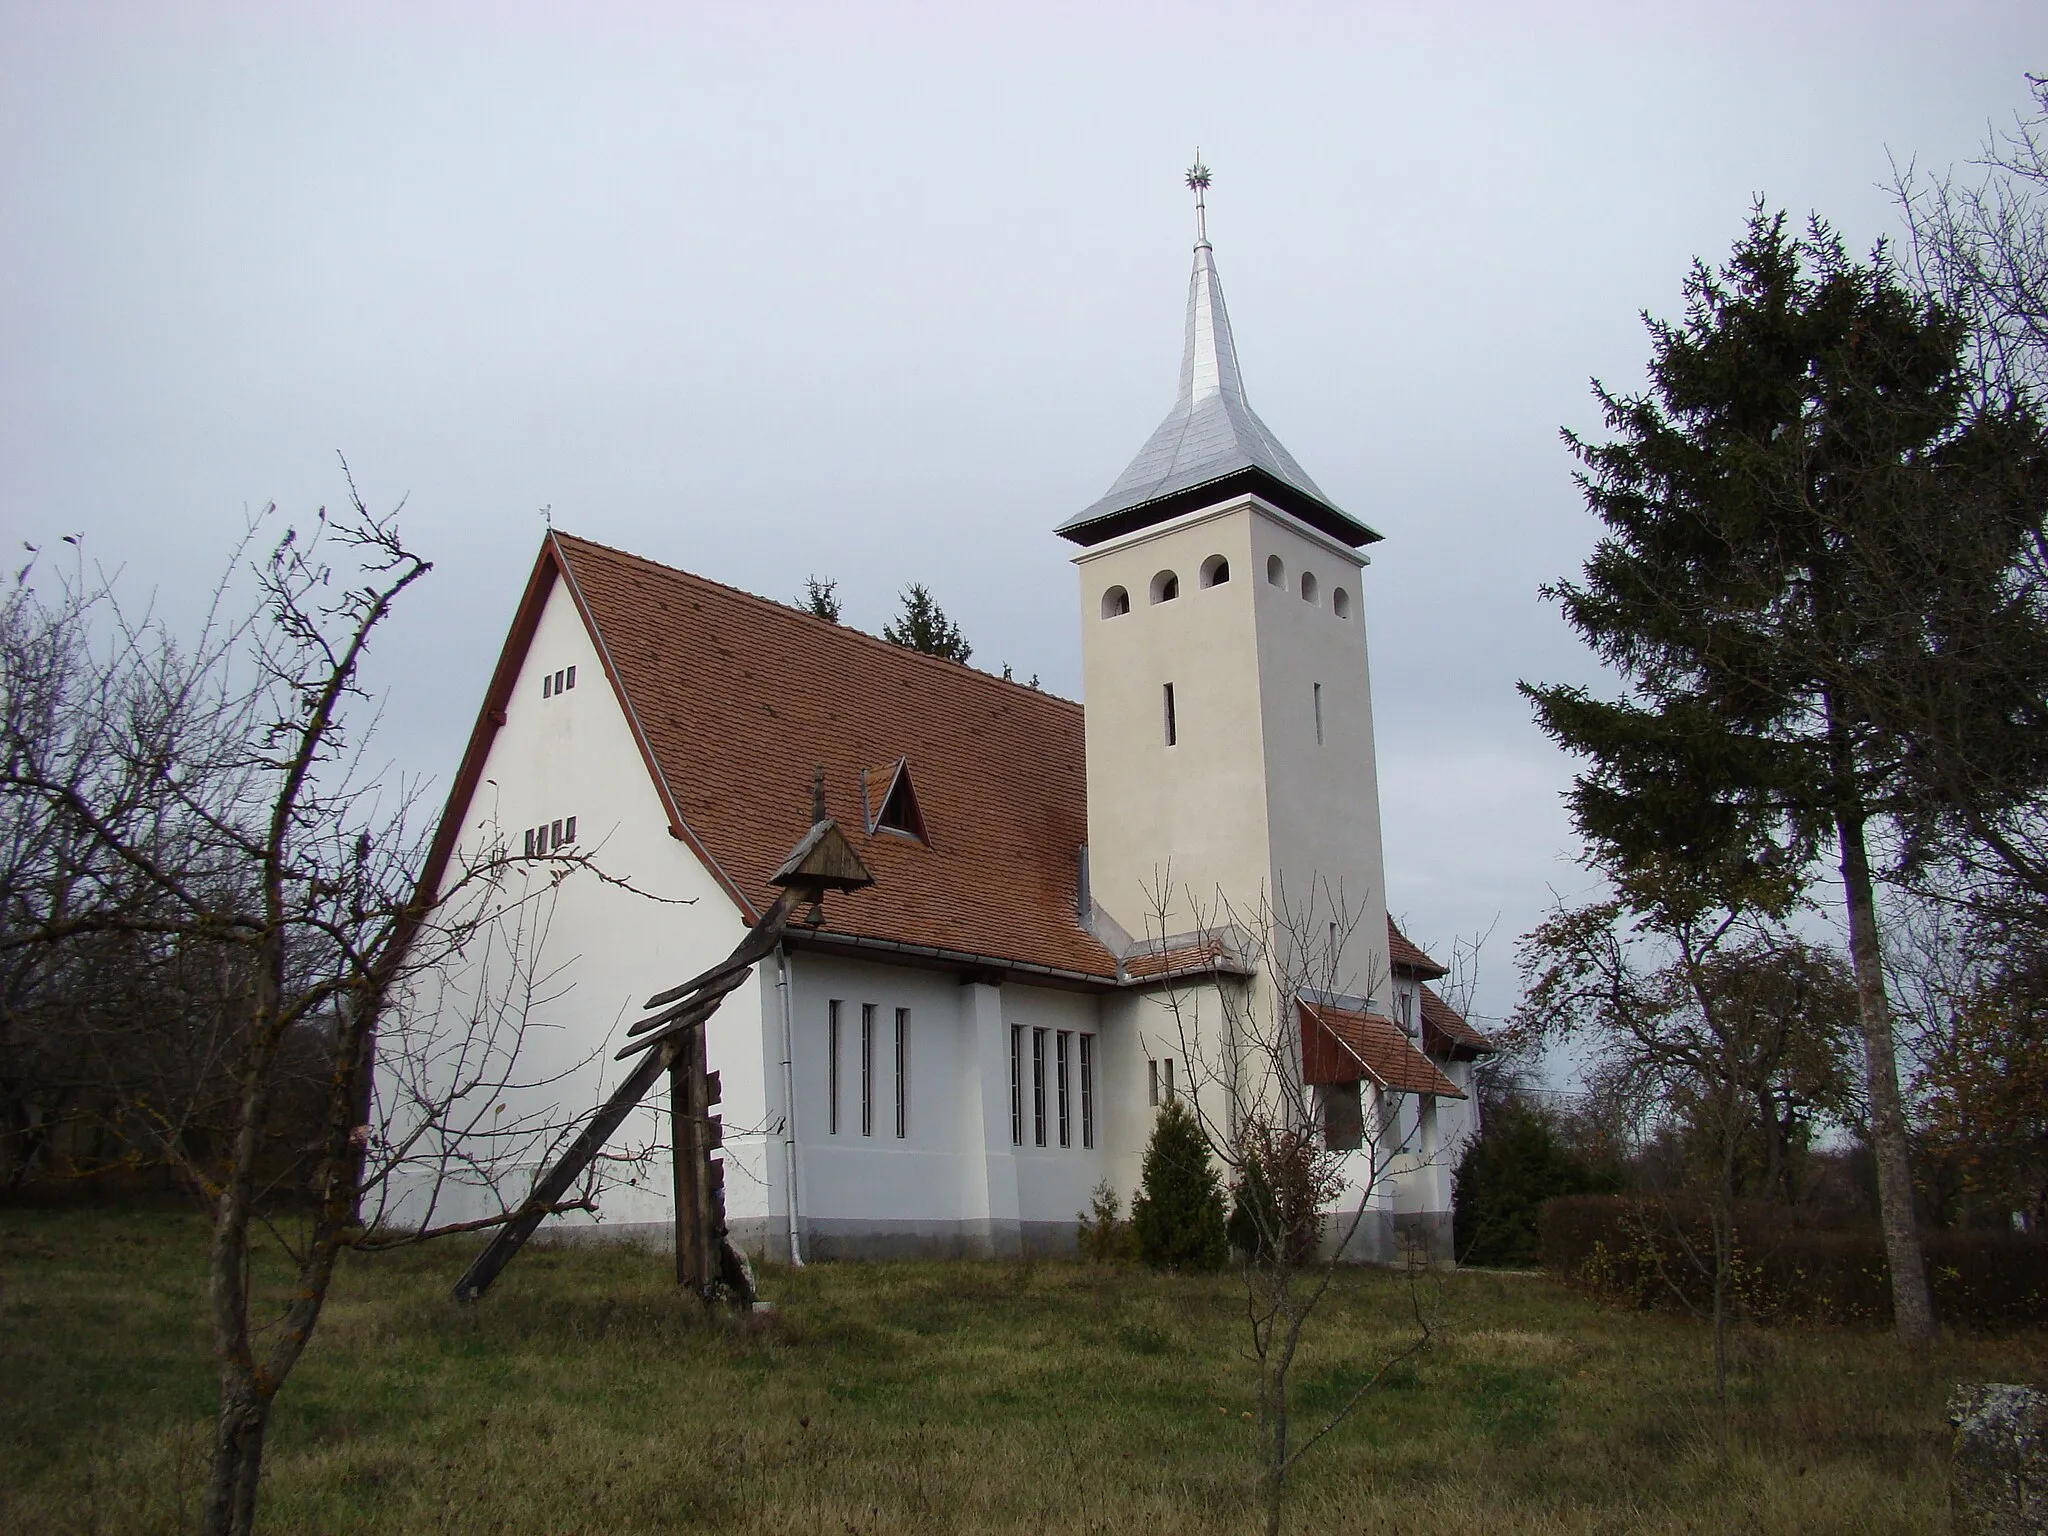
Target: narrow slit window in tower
point(1172, 729)
point(1319, 714)
point(1016, 1085)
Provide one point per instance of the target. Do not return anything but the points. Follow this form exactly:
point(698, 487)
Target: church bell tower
point(1228, 706)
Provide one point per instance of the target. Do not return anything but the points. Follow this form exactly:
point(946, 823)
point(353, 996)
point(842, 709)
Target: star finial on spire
point(1198, 183)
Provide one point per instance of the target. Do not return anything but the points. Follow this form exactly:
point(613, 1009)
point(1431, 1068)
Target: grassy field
point(585, 1395)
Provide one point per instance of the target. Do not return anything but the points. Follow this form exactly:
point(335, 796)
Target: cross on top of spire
point(1198, 183)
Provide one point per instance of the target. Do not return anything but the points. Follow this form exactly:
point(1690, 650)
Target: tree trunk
point(1277, 1472)
point(230, 1508)
point(1912, 1310)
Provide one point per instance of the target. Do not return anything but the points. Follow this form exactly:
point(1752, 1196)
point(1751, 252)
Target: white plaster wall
point(1322, 798)
point(879, 1177)
point(1054, 1181)
point(957, 1163)
point(608, 949)
point(1197, 806)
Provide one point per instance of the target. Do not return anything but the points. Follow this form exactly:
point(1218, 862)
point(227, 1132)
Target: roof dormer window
point(889, 800)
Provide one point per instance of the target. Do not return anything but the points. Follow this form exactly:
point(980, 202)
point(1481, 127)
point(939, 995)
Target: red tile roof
point(736, 699)
point(1340, 1046)
point(1444, 1030)
point(1198, 957)
point(1406, 956)
point(739, 698)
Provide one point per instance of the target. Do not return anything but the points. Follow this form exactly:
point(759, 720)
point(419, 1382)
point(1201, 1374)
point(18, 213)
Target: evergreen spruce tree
point(820, 598)
point(923, 626)
point(1178, 1212)
point(1506, 1173)
point(1800, 514)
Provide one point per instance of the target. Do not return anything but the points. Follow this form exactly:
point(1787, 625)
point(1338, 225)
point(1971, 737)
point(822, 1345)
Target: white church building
point(956, 1056)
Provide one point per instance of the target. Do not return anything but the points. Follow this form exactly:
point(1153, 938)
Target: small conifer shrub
point(1178, 1210)
point(1105, 1237)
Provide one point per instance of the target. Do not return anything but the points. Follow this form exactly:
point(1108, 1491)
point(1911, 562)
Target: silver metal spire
point(1212, 434)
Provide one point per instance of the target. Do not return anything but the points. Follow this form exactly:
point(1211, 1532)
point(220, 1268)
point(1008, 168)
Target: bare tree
point(1980, 245)
point(1711, 1024)
point(1309, 1166)
point(217, 823)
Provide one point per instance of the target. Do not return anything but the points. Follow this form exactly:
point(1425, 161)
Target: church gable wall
point(606, 950)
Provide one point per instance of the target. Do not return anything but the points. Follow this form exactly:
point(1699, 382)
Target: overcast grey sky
point(886, 292)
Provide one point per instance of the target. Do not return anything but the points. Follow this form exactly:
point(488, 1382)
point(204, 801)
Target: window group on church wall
point(881, 1064)
point(543, 840)
point(1159, 1081)
point(559, 681)
point(1311, 593)
point(1165, 587)
point(1052, 1086)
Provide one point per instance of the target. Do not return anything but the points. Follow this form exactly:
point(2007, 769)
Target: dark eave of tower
point(1212, 445)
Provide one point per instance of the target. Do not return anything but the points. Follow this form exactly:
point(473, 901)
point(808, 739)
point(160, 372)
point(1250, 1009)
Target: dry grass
point(585, 1395)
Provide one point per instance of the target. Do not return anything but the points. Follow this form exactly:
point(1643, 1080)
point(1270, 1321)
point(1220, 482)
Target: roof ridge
point(786, 610)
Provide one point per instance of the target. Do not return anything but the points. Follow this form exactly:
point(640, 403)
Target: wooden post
point(683, 1118)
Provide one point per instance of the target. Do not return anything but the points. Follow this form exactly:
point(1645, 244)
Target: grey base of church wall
point(1380, 1238)
point(1426, 1235)
point(828, 1238)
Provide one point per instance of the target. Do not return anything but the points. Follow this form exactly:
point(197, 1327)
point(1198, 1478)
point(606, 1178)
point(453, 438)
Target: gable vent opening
point(889, 800)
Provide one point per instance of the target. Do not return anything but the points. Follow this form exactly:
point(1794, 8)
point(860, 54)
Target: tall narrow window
point(1319, 714)
point(1087, 1090)
point(529, 842)
point(1152, 1083)
point(902, 1072)
point(867, 1069)
point(1017, 1085)
point(547, 685)
point(832, 1066)
point(1038, 1087)
point(1172, 730)
point(1169, 1079)
point(572, 677)
point(1060, 1074)
point(555, 835)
